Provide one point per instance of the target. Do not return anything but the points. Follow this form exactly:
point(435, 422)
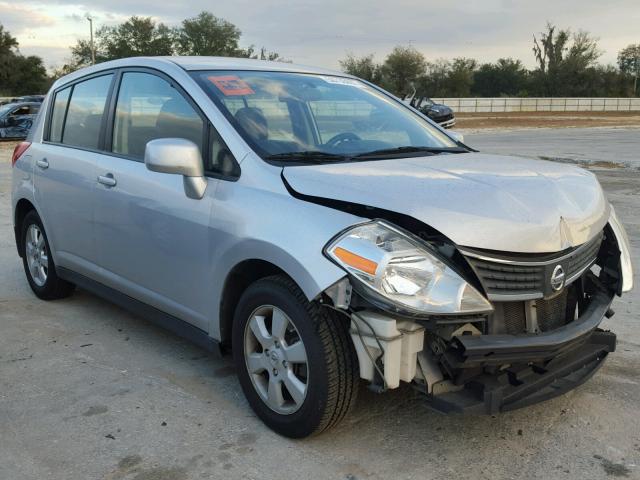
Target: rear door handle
point(107, 180)
point(43, 164)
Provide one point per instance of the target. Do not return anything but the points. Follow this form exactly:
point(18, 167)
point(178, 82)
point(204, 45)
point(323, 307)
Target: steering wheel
point(341, 138)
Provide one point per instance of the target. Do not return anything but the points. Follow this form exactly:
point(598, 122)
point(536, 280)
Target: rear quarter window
point(57, 114)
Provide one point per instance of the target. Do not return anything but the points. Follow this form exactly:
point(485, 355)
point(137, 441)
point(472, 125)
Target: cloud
point(321, 31)
point(17, 18)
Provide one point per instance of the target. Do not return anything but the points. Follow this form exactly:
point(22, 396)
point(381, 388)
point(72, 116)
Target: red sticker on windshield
point(231, 85)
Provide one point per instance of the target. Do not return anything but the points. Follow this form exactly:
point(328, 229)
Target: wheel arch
point(23, 206)
point(238, 280)
point(249, 270)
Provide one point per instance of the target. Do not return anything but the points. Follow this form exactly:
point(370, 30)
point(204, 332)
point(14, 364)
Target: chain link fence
point(542, 104)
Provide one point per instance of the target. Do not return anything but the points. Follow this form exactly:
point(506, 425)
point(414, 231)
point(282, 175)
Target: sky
point(321, 32)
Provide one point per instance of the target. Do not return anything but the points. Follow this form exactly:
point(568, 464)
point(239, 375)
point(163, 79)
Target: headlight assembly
point(402, 271)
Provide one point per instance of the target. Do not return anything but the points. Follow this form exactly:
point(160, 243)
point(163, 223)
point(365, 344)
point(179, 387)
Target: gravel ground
point(483, 120)
point(89, 391)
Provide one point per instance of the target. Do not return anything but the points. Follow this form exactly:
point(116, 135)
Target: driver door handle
point(43, 164)
point(107, 180)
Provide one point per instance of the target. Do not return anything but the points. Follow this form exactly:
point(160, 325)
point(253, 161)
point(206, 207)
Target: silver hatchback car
point(321, 230)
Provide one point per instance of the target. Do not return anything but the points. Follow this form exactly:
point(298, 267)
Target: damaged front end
point(536, 337)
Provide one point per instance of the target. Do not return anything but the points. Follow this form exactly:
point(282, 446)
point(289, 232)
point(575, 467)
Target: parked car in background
point(26, 98)
point(438, 112)
point(16, 119)
point(30, 98)
point(322, 230)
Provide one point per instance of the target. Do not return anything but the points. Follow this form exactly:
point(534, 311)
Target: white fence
point(556, 104)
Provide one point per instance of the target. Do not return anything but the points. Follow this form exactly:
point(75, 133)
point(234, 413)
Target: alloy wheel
point(276, 359)
point(37, 255)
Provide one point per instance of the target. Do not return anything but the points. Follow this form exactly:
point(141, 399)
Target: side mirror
point(179, 157)
point(457, 136)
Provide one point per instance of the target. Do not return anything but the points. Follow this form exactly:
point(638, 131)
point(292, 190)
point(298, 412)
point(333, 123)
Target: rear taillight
point(18, 151)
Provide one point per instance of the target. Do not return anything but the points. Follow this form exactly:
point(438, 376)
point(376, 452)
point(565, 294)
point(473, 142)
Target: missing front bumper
point(520, 387)
point(497, 373)
point(485, 350)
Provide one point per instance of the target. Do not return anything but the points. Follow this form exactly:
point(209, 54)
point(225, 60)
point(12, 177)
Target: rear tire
point(328, 369)
point(38, 262)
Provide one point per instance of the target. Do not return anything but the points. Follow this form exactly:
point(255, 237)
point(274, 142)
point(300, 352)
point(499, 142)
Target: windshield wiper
point(314, 156)
point(409, 149)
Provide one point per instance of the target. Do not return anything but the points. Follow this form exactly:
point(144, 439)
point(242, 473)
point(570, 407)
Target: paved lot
point(607, 147)
point(88, 391)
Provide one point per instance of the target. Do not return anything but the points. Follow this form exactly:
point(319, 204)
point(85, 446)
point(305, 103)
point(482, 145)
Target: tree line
point(566, 66)
point(566, 62)
point(19, 74)
point(204, 34)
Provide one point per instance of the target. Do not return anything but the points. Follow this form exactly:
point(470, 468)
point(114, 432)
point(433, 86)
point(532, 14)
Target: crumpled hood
point(478, 200)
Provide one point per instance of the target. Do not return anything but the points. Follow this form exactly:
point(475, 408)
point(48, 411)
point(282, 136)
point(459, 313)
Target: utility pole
point(93, 50)
point(635, 78)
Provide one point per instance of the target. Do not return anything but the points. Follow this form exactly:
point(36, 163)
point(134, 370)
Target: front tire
point(295, 360)
point(38, 262)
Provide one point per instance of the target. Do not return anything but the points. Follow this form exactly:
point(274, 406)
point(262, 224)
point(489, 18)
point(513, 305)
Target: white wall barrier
point(542, 104)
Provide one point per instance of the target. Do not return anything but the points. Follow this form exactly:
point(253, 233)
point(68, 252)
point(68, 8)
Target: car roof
point(200, 63)
point(22, 104)
point(230, 63)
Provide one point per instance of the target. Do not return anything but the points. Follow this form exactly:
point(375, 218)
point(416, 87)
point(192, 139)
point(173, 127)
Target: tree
point(250, 52)
point(30, 75)
point(629, 63)
point(562, 57)
point(207, 34)
point(19, 75)
point(363, 67)
point(8, 51)
point(402, 67)
point(460, 77)
point(505, 77)
point(204, 34)
point(138, 36)
point(434, 82)
point(8, 43)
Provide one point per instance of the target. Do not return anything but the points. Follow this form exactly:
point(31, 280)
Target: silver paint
point(493, 202)
point(142, 235)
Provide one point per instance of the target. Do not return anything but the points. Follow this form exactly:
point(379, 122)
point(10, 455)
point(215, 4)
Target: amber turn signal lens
point(356, 261)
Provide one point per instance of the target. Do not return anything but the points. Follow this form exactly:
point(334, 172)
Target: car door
point(66, 170)
point(154, 240)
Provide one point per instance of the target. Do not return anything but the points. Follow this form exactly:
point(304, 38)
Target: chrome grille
point(510, 277)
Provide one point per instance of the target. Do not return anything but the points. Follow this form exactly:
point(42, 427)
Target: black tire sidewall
point(306, 419)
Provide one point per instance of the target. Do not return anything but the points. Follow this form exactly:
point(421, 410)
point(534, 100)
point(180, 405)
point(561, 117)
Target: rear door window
point(85, 112)
point(148, 107)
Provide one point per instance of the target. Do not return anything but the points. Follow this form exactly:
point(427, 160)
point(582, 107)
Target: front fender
point(626, 266)
point(268, 224)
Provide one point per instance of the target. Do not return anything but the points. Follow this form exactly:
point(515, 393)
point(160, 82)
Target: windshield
point(427, 103)
point(293, 116)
